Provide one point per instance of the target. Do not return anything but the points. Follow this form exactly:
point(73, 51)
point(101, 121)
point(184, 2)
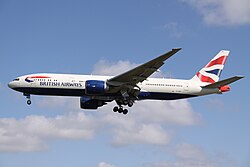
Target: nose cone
point(11, 85)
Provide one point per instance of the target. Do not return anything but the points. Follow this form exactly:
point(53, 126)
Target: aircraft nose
point(11, 84)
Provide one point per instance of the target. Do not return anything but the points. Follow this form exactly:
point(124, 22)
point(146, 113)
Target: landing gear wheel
point(125, 111)
point(115, 109)
point(125, 102)
point(29, 102)
point(120, 110)
point(130, 104)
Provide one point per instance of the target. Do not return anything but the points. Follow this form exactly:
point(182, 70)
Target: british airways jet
point(127, 88)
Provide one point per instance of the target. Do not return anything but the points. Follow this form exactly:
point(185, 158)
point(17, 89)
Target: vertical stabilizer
point(212, 71)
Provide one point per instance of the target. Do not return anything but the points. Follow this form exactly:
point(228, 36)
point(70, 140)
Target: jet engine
point(95, 87)
point(88, 103)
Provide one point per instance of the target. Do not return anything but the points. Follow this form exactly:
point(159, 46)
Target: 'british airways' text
point(61, 84)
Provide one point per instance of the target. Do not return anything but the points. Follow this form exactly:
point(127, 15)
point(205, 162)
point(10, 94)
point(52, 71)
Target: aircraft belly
point(51, 91)
point(163, 96)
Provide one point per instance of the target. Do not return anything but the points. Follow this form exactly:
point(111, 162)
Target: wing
point(142, 72)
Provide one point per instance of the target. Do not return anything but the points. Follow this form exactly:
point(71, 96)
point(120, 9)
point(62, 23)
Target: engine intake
point(95, 87)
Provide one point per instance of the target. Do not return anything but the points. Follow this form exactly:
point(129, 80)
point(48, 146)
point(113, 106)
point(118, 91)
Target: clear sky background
point(109, 37)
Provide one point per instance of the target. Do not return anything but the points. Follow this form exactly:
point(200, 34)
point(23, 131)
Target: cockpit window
point(16, 79)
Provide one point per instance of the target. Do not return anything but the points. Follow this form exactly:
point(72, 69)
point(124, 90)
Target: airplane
point(127, 88)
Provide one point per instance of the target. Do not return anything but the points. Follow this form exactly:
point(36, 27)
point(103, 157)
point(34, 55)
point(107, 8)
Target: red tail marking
point(205, 78)
point(220, 61)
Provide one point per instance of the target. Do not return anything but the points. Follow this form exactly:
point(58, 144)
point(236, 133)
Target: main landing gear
point(28, 98)
point(120, 108)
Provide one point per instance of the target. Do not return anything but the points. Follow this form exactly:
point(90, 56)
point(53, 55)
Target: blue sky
point(111, 36)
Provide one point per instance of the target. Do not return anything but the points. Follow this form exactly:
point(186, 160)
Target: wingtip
point(177, 49)
point(240, 76)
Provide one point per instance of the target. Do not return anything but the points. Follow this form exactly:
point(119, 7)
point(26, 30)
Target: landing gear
point(126, 99)
point(120, 110)
point(28, 98)
point(29, 102)
point(115, 109)
point(130, 103)
point(121, 103)
point(125, 111)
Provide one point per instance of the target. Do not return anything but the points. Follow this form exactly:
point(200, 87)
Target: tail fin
point(211, 72)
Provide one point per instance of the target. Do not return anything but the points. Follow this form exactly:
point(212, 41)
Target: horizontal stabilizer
point(223, 82)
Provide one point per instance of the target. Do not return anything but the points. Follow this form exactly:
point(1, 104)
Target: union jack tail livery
point(211, 72)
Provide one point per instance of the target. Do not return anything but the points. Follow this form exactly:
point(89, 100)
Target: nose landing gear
point(27, 95)
point(29, 102)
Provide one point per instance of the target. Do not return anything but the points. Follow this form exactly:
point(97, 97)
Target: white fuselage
point(74, 85)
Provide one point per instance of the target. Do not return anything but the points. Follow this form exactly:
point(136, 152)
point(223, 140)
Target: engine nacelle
point(88, 103)
point(95, 87)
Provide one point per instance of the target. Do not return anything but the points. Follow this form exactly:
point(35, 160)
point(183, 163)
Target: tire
point(130, 104)
point(125, 111)
point(29, 102)
point(125, 102)
point(120, 110)
point(115, 109)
